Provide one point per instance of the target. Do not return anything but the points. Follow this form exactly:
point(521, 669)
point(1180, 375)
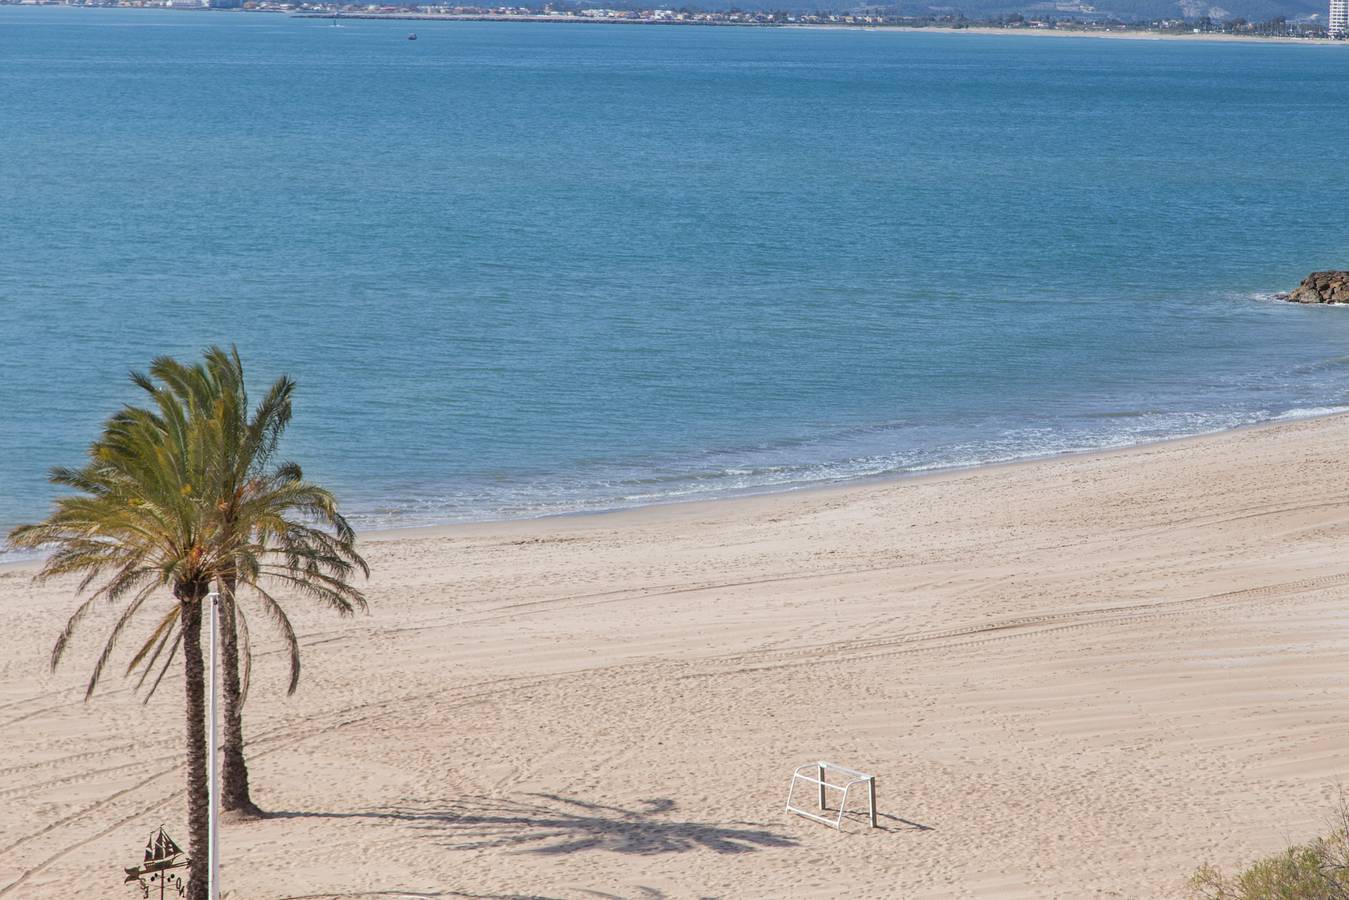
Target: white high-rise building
point(1339, 18)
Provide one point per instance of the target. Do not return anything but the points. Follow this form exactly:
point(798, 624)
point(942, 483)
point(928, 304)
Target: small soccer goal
point(844, 783)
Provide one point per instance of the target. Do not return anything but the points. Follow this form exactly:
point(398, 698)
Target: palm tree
point(137, 524)
point(265, 511)
point(185, 495)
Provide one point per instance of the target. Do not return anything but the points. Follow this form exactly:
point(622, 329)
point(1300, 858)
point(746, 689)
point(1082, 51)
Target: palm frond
point(168, 661)
point(132, 608)
point(282, 622)
point(154, 644)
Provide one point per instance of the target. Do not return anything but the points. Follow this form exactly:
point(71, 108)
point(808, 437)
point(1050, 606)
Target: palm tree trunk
point(234, 770)
point(198, 801)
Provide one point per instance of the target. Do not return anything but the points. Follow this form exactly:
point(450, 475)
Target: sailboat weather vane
point(162, 857)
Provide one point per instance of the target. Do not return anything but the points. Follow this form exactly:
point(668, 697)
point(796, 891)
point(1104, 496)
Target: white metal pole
point(213, 780)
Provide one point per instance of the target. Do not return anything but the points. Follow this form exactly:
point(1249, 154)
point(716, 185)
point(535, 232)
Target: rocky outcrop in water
point(1321, 287)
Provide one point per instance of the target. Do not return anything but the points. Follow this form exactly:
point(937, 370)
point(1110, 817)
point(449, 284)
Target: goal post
point(849, 778)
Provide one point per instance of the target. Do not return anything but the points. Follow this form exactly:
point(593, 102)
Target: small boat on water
point(412, 37)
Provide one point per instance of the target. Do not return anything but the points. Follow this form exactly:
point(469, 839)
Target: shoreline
point(683, 509)
point(676, 509)
point(1125, 35)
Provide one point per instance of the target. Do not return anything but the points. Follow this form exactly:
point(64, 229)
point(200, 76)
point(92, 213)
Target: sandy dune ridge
point(1075, 677)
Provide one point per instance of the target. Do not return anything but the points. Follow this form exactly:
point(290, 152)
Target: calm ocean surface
point(527, 269)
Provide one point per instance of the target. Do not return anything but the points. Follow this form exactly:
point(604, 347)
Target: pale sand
point(1135, 35)
point(1125, 35)
point(1077, 677)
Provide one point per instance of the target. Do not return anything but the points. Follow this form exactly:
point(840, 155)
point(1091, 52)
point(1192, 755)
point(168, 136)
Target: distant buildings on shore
point(1070, 16)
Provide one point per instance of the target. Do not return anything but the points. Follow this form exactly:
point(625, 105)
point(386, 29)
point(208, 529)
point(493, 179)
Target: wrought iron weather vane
point(162, 857)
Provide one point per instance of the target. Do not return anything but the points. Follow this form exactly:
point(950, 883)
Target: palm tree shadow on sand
point(553, 825)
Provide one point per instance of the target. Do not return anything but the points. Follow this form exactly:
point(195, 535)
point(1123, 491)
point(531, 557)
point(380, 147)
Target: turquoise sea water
point(525, 269)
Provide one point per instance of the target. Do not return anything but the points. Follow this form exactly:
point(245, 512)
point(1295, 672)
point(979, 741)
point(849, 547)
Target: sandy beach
point(1137, 35)
point(1078, 677)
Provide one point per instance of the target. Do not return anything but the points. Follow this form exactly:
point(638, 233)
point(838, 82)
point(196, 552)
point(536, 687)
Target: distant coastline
point(846, 22)
point(1129, 34)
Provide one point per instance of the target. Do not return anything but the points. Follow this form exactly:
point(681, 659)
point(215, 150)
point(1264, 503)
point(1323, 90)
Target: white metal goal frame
point(852, 778)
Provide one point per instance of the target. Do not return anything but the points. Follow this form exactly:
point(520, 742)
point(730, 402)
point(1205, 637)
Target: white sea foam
point(769, 469)
point(1311, 412)
point(785, 466)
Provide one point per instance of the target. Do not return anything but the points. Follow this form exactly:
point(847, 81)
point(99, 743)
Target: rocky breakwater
point(1321, 287)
